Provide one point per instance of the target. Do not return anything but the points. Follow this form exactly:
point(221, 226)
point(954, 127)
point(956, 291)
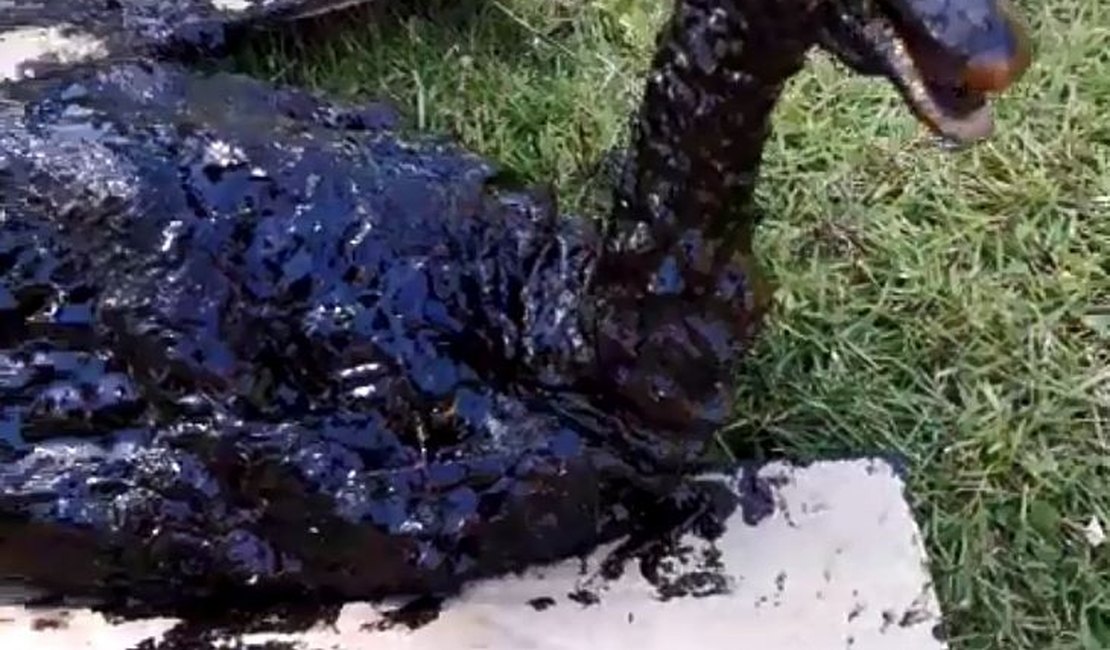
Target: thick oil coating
point(247, 334)
point(967, 29)
point(252, 339)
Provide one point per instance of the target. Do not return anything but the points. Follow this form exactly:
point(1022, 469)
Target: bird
point(254, 340)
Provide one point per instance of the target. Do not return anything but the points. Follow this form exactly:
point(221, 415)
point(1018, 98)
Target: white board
point(839, 565)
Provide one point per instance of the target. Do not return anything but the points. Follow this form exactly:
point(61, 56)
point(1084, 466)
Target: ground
point(953, 307)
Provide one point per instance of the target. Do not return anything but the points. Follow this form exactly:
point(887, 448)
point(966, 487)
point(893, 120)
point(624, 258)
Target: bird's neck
point(677, 293)
point(698, 140)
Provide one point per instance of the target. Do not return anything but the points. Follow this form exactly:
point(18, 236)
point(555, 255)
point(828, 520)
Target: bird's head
point(946, 57)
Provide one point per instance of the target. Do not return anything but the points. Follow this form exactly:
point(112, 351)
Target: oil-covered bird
point(254, 339)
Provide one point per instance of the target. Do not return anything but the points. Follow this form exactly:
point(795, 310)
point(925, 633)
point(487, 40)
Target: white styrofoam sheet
point(839, 565)
point(23, 46)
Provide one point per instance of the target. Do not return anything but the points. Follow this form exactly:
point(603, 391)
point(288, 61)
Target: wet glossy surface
point(241, 326)
point(251, 340)
point(967, 29)
point(249, 336)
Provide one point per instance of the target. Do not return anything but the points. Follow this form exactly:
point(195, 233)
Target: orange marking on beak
point(994, 73)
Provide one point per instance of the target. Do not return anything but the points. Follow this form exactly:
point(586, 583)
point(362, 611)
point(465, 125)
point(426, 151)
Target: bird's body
point(250, 338)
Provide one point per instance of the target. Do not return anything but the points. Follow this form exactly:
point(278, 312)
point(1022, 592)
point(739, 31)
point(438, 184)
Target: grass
point(952, 307)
